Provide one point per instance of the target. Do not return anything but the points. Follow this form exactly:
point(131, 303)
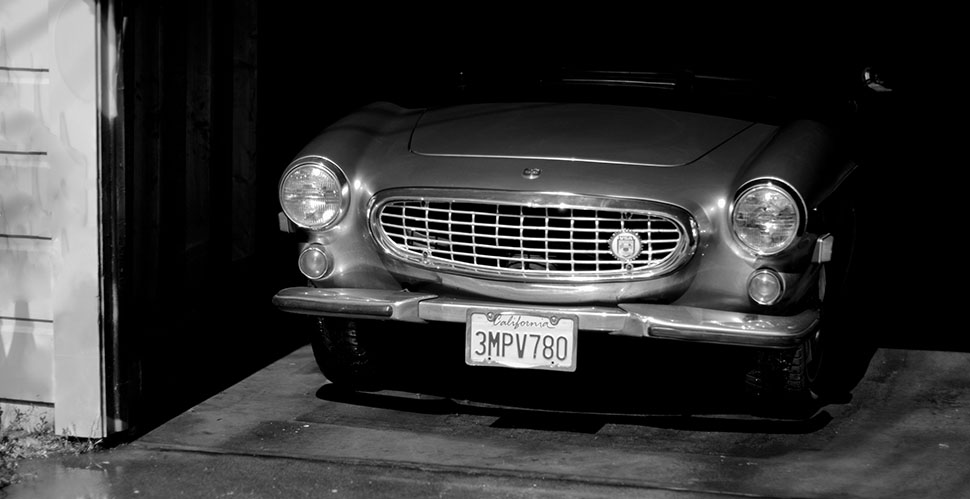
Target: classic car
point(530, 219)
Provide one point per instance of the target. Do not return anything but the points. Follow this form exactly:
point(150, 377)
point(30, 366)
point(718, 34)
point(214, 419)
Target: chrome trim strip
point(719, 326)
point(642, 320)
point(349, 302)
point(680, 218)
point(543, 158)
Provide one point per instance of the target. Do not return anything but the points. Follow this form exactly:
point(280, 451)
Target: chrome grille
point(539, 239)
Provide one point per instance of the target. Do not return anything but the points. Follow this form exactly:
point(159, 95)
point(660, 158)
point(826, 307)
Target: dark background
point(218, 97)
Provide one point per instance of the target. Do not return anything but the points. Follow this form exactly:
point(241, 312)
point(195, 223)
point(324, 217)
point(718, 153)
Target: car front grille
point(533, 237)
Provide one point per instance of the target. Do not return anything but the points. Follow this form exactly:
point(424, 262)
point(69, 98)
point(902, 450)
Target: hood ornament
point(532, 173)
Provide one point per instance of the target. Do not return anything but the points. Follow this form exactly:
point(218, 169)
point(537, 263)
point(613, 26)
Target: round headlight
point(765, 219)
point(313, 193)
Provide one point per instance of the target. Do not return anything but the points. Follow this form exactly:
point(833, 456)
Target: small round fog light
point(765, 286)
point(314, 262)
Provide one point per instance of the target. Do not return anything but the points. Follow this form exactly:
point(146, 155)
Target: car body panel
point(572, 132)
point(383, 147)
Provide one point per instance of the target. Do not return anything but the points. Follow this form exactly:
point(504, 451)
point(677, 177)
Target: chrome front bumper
point(633, 319)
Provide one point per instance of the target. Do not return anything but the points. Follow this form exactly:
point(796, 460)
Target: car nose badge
point(532, 173)
point(625, 245)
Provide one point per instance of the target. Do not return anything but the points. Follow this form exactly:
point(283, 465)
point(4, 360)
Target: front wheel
point(340, 347)
point(822, 369)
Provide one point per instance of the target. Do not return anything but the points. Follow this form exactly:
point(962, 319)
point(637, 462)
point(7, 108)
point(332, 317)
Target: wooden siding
point(26, 204)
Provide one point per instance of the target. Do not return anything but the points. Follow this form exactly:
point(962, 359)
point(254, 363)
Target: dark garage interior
point(196, 234)
point(218, 97)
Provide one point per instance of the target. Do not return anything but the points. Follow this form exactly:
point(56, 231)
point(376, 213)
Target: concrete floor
point(670, 430)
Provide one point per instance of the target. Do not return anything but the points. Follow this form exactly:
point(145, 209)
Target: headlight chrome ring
point(766, 218)
point(314, 193)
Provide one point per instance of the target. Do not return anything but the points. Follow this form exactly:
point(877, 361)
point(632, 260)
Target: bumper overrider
point(632, 319)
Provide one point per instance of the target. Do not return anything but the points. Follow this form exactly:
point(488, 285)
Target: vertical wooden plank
point(222, 153)
point(200, 161)
point(198, 132)
point(120, 370)
point(173, 151)
point(244, 177)
point(144, 107)
point(74, 212)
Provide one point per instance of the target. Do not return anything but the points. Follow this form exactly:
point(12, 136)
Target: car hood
point(572, 132)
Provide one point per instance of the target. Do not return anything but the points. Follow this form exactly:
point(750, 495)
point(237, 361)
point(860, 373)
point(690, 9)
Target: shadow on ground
point(618, 381)
point(527, 418)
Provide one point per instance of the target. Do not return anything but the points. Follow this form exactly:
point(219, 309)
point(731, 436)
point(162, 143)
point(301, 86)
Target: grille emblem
point(625, 245)
point(532, 173)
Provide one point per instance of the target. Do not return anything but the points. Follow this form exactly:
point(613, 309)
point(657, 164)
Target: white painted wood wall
point(50, 352)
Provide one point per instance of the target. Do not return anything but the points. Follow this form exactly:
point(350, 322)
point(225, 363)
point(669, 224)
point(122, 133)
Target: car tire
point(340, 347)
point(837, 362)
point(823, 369)
point(780, 383)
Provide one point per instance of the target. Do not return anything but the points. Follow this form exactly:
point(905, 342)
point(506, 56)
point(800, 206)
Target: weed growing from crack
point(20, 441)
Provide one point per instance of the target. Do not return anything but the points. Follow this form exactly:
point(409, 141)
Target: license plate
point(524, 340)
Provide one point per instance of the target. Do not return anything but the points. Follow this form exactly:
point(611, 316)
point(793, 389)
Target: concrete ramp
point(904, 434)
